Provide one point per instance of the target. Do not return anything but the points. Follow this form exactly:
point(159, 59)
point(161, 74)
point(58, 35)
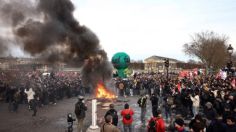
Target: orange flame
point(102, 92)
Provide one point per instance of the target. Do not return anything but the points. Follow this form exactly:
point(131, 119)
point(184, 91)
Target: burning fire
point(102, 92)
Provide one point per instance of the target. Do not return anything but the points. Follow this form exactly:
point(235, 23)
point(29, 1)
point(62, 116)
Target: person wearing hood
point(209, 111)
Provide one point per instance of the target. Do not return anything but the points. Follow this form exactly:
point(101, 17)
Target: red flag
point(233, 83)
point(179, 86)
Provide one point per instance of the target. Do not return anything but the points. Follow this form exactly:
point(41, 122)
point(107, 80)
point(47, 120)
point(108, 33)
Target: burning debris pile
point(47, 29)
point(102, 92)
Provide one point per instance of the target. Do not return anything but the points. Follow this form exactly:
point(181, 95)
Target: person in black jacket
point(142, 102)
point(231, 126)
point(216, 125)
point(70, 121)
point(209, 111)
point(113, 113)
point(33, 106)
point(80, 112)
point(154, 101)
point(197, 124)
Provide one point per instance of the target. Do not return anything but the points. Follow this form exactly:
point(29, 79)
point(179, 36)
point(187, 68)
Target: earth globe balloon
point(121, 61)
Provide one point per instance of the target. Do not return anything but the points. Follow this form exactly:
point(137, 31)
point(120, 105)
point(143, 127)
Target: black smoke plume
point(48, 30)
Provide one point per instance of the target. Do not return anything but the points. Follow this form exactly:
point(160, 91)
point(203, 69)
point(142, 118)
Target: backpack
point(152, 125)
point(142, 102)
point(128, 116)
point(139, 102)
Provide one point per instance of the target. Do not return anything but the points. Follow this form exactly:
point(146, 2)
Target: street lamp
point(230, 50)
point(167, 68)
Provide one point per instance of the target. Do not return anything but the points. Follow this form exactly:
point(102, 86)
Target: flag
point(179, 86)
point(233, 83)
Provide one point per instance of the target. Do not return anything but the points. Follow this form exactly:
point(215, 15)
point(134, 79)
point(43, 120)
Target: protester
point(113, 113)
point(154, 101)
point(156, 123)
point(142, 102)
point(108, 125)
point(70, 121)
point(196, 103)
point(231, 124)
point(33, 106)
point(168, 103)
point(217, 125)
point(179, 125)
point(30, 95)
point(127, 115)
point(80, 112)
point(198, 124)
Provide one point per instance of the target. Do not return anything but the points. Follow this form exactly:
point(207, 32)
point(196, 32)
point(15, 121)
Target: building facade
point(157, 64)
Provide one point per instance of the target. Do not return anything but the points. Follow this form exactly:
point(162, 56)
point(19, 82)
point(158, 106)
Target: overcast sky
point(143, 28)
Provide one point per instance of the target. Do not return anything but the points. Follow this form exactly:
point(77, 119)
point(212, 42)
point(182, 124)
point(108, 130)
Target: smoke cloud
point(48, 30)
point(3, 47)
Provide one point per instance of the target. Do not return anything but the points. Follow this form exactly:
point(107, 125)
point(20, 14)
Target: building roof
point(154, 57)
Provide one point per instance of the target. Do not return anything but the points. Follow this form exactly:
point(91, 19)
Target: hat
point(179, 121)
point(80, 97)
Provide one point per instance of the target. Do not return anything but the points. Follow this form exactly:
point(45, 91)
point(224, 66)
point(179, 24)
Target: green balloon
point(121, 60)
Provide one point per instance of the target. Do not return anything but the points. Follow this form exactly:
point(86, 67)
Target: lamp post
point(230, 50)
point(167, 68)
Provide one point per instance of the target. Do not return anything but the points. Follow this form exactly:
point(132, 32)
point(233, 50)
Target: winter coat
point(210, 113)
point(195, 100)
point(124, 113)
point(109, 128)
point(161, 125)
point(194, 125)
point(30, 94)
point(154, 100)
point(80, 110)
point(216, 126)
point(114, 115)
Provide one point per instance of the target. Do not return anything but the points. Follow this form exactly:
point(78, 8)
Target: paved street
point(52, 118)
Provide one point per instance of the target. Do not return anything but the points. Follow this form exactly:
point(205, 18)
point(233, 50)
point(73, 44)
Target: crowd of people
point(209, 102)
point(37, 88)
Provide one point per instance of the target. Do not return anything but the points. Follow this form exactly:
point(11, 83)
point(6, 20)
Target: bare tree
point(234, 59)
point(209, 47)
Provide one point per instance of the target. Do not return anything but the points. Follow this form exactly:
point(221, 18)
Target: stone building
point(157, 64)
